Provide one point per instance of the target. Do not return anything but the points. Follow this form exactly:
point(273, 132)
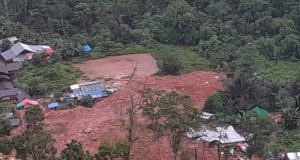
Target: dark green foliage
point(4, 128)
point(171, 65)
point(171, 114)
point(46, 79)
point(257, 131)
point(6, 146)
point(74, 151)
point(287, 142)
point(7, 107)
point(36, 145)
point(290, 115)
point(230, 34)
point(214, 103)
point(34, 117)
point(107, 150)
point(86, 101)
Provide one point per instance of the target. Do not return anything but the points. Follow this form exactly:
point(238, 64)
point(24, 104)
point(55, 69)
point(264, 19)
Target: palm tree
point(290, 114)
point(272, 91)
point(294, 91)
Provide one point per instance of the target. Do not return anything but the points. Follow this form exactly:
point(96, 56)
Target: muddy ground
point(104, 120)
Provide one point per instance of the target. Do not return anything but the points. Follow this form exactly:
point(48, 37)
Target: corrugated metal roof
point(4, 77)
point(224, 135)
point(5, 85)
point(9, 92)
point(18, 48)
point(14, 122)
point(22, 96)
point(95, 94)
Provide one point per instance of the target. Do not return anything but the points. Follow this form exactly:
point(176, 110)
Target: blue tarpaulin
point(87, 48)
point(53, 105)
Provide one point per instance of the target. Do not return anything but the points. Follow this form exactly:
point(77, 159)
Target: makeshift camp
point(54, 105)
point(224, 135)
point(260, 111)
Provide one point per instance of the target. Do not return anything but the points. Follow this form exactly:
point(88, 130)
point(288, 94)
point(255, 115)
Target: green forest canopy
point(231, 34)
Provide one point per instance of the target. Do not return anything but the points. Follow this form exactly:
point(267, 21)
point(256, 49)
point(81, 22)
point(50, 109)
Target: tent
point(87, 48)
point(30, 102)
point(19, 106)
point(53, 105)
point(260, 111)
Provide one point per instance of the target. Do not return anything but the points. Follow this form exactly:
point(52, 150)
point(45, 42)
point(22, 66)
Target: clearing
point(117, 69)
point(89, 125)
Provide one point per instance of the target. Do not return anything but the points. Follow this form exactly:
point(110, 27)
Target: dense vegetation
point(229, 33)
point(256, 39)
point(46, 79)
point(242, 93)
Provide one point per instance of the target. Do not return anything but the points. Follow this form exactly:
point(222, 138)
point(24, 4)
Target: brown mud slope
point(117, 67)
point(89, 125)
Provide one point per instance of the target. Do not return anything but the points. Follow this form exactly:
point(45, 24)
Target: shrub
point(74, 151)
point(117, 150)
point(34, 116)
point(87, 101)
point(214, 103)
point(171, 65)
point(6, 147)
point(4, 128)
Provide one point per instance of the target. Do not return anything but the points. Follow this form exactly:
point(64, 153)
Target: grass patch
point(46, 79)
point(283, 70)
point(190, 60)
point(7, 107)
point(288, 142)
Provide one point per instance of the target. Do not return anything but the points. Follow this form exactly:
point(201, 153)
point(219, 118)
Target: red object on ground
point(30, 102)
point(49, 50)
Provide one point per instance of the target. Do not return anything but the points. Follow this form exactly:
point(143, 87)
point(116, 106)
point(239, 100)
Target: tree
point(257, 130)
point(118, 150)
point(74, 151)
point(87, 101)
point(36, 145)
point(4, 128)
point(290, 115)
point(214, 103)
point(171, 65)
point(171, 115)
point(6, 146)
point(273, 89)
point(294, 91)
point(34, 118)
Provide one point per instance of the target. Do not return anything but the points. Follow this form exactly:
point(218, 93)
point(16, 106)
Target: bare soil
point(89, 125)
point(117, 69)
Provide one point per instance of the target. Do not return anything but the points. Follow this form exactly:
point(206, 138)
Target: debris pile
point(89, 125)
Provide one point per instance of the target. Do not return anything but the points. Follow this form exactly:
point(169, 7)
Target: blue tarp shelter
point(53, 105)
point(87, 48)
